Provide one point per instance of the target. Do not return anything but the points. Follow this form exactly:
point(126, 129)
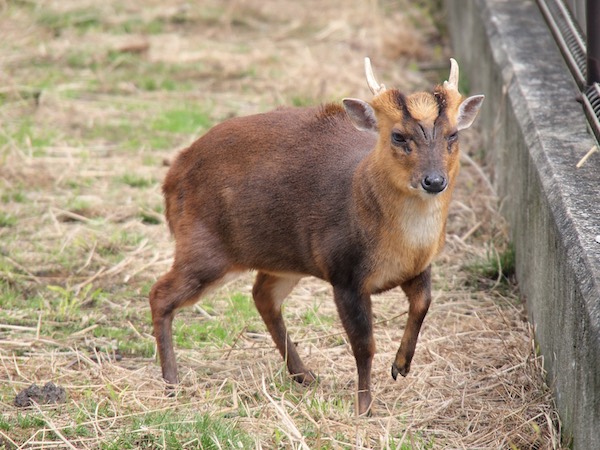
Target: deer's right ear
point(467, 111)
point(361, 114)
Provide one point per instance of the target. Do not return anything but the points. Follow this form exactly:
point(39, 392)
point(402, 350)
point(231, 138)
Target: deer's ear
point(467, 111)
point(361, 114)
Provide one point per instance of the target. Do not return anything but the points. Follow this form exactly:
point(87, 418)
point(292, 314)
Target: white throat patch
point(422, 222)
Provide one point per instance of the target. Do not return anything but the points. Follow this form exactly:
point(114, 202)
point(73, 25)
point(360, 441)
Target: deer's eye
point(451, 140)
point(398, 140)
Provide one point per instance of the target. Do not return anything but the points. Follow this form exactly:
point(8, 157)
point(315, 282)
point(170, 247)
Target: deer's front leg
point(354, 309)
point(418, 291)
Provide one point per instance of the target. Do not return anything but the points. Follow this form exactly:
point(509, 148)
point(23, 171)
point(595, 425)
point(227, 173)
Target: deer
point(355, 194)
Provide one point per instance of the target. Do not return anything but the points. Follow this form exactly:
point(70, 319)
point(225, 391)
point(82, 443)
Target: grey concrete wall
point(535, 132)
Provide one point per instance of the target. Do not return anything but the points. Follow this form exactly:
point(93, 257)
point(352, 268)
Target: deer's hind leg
point(192, 275)
point(269, 291)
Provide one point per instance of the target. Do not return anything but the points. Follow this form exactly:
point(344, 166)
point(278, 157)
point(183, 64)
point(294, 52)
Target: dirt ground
point(95, 98)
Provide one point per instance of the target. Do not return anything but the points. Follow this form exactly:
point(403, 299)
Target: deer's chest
point(406, 249)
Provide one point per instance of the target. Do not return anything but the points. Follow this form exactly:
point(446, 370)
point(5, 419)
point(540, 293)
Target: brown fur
point(300, 191)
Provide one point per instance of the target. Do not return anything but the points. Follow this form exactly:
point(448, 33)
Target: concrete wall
point(536, 133)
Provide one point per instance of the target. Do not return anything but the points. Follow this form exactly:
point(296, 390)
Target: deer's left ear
point(467, 111)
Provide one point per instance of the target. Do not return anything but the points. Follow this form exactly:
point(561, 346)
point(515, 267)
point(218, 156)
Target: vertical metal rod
point(592, 13)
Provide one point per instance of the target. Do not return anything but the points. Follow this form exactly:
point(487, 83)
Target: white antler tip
point(375, 87)
point(452, 82)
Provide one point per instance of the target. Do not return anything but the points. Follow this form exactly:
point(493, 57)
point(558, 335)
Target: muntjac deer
point(355, 194)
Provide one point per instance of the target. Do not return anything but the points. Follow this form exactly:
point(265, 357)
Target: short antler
point(452, 83)
point(375, 87)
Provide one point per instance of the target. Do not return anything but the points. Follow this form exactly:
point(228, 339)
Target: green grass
point(12, 298)
point(184, 121)
point(17, 195)
point(150, 218)
point(169, 430)
point(117, 243)
point(139, 26)
point(231, 317)
point(66, 302)
point(28, 134)
point(5, 424)
point(125, 340)
point(7, 220)
point(29, 420)
point(312, 317)
point(137, 181)
point(496, 265)
point(79, 19)
point(304, 101)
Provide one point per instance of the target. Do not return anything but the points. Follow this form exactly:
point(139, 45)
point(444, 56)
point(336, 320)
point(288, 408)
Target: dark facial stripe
point(440, 96)
point(400, 100)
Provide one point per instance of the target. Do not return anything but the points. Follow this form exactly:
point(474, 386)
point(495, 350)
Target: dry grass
point(93, 97)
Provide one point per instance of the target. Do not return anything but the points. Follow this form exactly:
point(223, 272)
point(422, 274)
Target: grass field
point(95, 99)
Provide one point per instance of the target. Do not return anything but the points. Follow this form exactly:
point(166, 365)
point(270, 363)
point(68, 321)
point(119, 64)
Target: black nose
point(434, 183)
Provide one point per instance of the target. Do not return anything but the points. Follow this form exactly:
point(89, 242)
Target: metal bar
point(592, 15)
point(581, 53)
point(591, 107)
point(567, 36)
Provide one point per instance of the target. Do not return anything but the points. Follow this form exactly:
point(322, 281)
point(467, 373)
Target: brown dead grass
point(476, 381)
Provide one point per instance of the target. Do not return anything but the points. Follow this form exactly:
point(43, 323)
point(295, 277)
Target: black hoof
point(399, 370)
point(306, 379)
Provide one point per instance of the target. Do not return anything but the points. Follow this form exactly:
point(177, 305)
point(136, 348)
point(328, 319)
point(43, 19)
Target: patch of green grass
point(76, 184)
point(79, 206)
point(410, 442)
point(80, 59)
point(139, 26)
point(326, 407)
point(242, 305)
point(158, 82)
point(150, 218)
point(101, 409)
point(77, 431)
point(66, 302)
point(312, 316)
point(303, 101)
point(5, 424)
point(14, 295)
point(191, 335)
point(185, 121)
point(30, 420)
point(160, 142)
point(137, 181)
point(123, 134)
point(127, 135)
point(238, 315)
point(149, 84)
point(168, 430)
point(127, 342)
point(120, 241)
point(495, 265)
point(149, 75)
point(14, 195)
point(29, 134)
point(9, 296)
point(80, 19)
point(7, 220)
point(125, 61)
